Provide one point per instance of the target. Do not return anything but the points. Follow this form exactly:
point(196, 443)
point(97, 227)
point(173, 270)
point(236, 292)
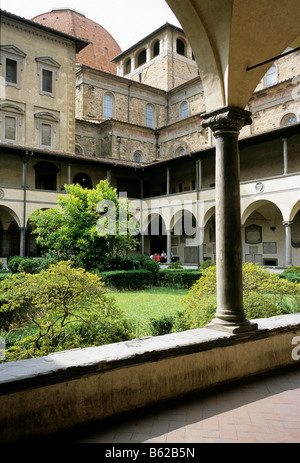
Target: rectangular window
point(11, 73)
point(46, 135)
point(10, 128)
point(47, 79)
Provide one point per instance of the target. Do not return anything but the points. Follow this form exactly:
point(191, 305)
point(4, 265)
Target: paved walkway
point(261, 410)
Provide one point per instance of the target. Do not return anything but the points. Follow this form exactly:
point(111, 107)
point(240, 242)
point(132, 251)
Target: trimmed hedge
point(178, 278)
point(128, 279)
point(294, 277)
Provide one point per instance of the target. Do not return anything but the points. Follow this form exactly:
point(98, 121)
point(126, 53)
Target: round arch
point(261, 204)
point(295, 210)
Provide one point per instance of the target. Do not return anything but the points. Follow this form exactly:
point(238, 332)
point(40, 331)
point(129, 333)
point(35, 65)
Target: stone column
point(226, 124)
point(168, 180)
point(288, 243)
point(285, 156)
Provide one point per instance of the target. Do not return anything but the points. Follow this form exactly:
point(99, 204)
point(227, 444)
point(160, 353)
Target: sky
point(128, 21)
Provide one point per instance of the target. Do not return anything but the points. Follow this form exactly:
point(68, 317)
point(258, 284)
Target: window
point(11, 118)
point(288, 119)
point(184, 110)
point(11, 71)
point(137, 157)
point(271, 76)
point(46, 124)
point(156, 49)
point(47, 69)
point(108, 105)
point(142, 58)
point(11, 59)
point(180, 47)
point(46, 176)
point(149, 116)
point(10, 128)
point(46, 135)
point(47, 78)
point(83, 180)
point(127, 66)
point(180, 151)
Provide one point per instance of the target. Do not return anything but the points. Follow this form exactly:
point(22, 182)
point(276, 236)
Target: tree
point(89, 227)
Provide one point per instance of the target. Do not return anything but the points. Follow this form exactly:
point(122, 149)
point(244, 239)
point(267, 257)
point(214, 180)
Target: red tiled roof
point(103, 47)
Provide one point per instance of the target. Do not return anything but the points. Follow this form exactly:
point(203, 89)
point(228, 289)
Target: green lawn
point(140, 306)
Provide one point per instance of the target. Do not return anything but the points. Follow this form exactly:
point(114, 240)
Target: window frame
point(45, 118)
point(46, 63)
point(273, 75)
point(111, 114)
point(12, 53)
point(14, 112)
point(147, 117)
point(184, 110)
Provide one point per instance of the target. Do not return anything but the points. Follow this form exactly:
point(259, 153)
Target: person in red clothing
point(156, 257)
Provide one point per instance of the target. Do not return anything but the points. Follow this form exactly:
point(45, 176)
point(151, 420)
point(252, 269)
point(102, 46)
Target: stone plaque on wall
point(191, 254)
point(258, 259)
point(253, 234)
point(270, 248)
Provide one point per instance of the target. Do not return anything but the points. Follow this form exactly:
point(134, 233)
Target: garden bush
point(265, 295)
point(178, 278)
point(29, 265)
point(13, 263)
point(294, 269)
point(167, 324)
point(61, 308)
point(128, 279)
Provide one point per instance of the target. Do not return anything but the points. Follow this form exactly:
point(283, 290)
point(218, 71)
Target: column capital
point(227, 120)
point(287, 223)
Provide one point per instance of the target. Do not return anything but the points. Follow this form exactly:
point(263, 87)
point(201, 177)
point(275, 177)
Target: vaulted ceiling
point(228, 36)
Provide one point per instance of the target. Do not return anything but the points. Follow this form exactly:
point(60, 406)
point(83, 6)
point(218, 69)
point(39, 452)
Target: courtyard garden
point(91, 287)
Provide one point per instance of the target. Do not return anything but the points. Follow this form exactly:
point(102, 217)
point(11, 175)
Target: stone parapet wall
point(54, 393)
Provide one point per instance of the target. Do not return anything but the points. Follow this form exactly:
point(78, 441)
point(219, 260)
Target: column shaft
point(226, 125)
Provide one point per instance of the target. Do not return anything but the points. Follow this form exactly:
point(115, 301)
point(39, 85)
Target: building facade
point(65, 119)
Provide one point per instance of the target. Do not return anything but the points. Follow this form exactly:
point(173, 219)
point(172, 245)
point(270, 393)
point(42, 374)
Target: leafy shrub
point(62, 307)
point(128, 279)
point(29, 265)
point(265, 295)
point(295, 277)
point(207, 263)
point(178, 278)
point(13, 263)
point(294, 269)
point(176, 264)
point(167, 324)
point(162, 325)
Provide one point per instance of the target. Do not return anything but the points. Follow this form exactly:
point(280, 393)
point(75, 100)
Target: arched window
point(83, 180)
point(288, 119)
point(108, 105)
point(271, 76)
point(127, 67)
point(142, 58)
point(180, 151)
point(180, 47)
point(184, 110)
point(156, 49)
point(137, 157)
point(150, 116)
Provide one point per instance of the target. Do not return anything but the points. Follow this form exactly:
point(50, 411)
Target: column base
point(244, 327)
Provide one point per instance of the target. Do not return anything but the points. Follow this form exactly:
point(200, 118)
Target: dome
point(103, 47)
